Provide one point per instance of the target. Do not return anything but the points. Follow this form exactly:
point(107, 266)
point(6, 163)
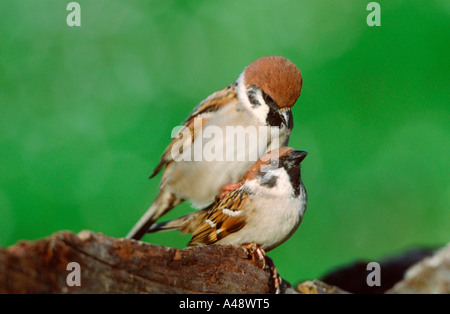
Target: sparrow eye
point(274, 163)
point(268, 99)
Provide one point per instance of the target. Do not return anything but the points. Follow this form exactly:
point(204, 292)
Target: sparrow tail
point(185, 224)
point(163, 203)
point(175, 224)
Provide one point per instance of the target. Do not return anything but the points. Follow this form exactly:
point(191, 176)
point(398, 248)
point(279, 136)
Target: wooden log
point(111, 265)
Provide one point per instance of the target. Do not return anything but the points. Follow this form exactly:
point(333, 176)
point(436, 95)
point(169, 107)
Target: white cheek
point(260, 112)
point(283, 186)
point(242, 92)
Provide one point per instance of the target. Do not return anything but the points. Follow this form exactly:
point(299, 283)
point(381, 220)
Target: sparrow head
point(278, 169)
point(273, 83)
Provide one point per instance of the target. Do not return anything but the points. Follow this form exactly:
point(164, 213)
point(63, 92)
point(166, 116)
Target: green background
point(85, 113)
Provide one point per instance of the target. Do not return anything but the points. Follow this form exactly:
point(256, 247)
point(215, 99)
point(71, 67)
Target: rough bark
point(110, 265)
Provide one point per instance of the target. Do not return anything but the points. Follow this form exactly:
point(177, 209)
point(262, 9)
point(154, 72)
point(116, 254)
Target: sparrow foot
point(257, 254)
point(260, 259)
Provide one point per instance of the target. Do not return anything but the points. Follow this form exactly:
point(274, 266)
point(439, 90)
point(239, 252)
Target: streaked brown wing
point(225, 217)
point(214, 102)
point(203, 111)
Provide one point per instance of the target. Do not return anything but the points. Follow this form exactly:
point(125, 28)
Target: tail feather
point(163, 203)
point(175, 224)
point(185, 224)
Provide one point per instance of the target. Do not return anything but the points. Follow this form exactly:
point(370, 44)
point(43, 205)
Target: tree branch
point(111, 265)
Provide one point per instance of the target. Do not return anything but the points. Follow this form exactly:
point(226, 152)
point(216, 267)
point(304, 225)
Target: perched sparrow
point(262, 96)
point(265, 209)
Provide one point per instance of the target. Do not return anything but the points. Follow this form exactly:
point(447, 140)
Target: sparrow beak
point(297, 156)
point(286, 117)
point(285, 114)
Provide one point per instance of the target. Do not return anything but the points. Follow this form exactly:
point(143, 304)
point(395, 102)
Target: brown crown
point(265, 160)
point(277, 77)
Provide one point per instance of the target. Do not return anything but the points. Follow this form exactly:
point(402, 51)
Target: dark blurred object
point(353, 278)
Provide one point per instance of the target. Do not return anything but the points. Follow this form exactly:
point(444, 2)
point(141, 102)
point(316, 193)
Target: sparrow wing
point(214, 102)
point(226, 216)
point(204, 111)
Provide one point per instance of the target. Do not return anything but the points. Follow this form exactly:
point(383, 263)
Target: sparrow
point(261, 97)
point(262, 212)
point(265, 209)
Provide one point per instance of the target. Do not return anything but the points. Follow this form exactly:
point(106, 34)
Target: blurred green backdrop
point(87, 111)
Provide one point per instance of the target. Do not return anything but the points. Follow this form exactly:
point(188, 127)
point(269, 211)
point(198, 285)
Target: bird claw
point(255, 251)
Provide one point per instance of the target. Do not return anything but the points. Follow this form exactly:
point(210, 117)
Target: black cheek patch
point(267, 181)
point(251, 94)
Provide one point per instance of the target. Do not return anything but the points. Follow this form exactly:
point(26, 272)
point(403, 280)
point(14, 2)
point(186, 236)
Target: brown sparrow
point(262, 97)
point(262, 212)
point(265, 209)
